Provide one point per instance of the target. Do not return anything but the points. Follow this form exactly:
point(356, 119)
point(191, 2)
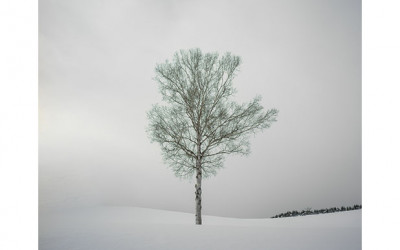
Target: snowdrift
point(123, 228)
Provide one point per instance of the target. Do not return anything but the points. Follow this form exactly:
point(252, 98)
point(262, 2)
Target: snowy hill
point(118, 228)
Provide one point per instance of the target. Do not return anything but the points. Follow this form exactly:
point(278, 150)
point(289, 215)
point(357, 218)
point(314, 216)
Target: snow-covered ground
point(114, 228)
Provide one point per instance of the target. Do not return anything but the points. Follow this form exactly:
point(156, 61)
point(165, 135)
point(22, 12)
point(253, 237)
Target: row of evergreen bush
point(309, 211)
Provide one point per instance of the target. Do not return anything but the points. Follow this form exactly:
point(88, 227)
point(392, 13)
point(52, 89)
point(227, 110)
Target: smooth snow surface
point(114, 228)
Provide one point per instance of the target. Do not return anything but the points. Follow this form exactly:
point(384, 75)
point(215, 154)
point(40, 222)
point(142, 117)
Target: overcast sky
point(96, 64)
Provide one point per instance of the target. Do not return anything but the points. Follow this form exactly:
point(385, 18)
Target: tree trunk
point(198, 196)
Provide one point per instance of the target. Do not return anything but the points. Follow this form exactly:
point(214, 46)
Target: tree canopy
point(199, 123)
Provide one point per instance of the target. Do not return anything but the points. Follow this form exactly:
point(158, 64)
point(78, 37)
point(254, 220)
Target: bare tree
point(199, 124)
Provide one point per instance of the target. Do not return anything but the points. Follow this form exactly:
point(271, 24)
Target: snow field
point(123, 228)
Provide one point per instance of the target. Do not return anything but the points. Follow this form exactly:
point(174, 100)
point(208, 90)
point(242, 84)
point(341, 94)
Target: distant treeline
point(309, 211)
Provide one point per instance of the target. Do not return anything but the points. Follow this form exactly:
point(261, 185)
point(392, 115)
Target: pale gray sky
point(96, 63)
